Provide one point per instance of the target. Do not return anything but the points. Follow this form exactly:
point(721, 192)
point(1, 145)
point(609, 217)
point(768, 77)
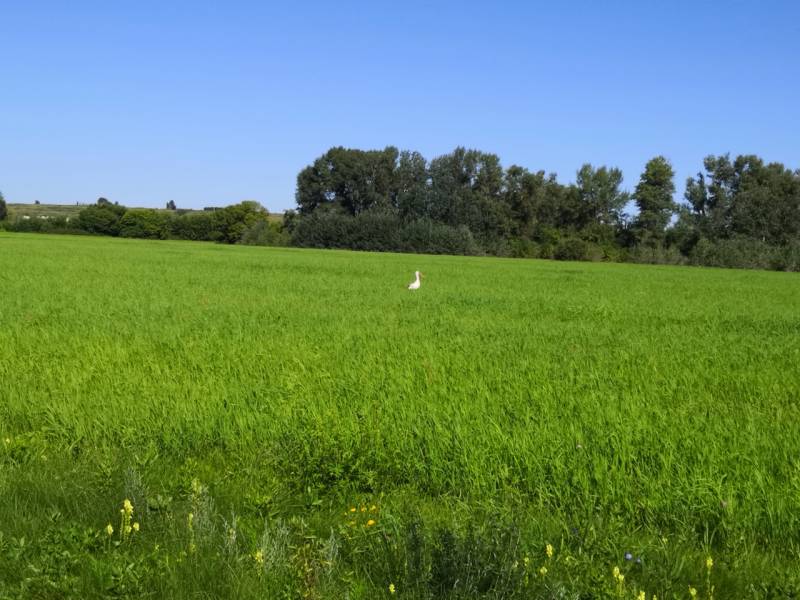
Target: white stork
point(414, 285)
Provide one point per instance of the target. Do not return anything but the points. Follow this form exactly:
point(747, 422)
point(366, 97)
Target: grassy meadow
point(296, 424)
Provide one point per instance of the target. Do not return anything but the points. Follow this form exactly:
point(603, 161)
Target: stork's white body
point(414, 285)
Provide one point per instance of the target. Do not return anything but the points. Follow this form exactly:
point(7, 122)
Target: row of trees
point(383, 199)
point(737, 212)
point(246, 222)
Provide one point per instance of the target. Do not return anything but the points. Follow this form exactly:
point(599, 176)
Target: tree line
point(738, 212)
point(246, 222)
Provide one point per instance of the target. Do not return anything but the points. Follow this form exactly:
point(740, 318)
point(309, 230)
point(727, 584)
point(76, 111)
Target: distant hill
point(43, 210)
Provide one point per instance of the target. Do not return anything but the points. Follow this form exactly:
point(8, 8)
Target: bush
point(734, 253)
point(382, 232)
point(231, 222)
point(572, 249)
point(746, 253)
point(428, 237)
point(523, 248)
point(102, 218)
point(145, 223)
point(654, 255)
point(265, 233)
point(198, 226)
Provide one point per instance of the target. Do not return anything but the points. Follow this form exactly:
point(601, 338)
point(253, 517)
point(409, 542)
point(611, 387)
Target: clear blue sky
point(209, 103)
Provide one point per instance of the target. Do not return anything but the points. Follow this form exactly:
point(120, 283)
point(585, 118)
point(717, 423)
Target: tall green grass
point(603, 408)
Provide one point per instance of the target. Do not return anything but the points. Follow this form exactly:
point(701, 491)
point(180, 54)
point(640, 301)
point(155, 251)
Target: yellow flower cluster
point(126, 526)
point(353, 515)
point(618, 576)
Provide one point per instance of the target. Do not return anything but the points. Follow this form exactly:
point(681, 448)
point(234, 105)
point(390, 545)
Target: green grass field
point(247, 399)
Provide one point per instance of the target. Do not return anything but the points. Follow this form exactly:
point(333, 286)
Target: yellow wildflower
point(127, 506)
point(641, 596)
point(259, 557)
point(391, 588)
point(543, 571)
point(353, 509)
point(109, 530)
point(128, 529)
point(363, 509)
point(526, 560)
point(136, 526)
point(621, 578)
point(692, 592)
point(373, 508)
point(616, 572)
point(709, 563)
point(549, 551)
point(371, 522)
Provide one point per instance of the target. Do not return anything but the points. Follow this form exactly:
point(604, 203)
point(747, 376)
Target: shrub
point(265, 233)
point(145, 223)
point(198, 226)
point(572, 249)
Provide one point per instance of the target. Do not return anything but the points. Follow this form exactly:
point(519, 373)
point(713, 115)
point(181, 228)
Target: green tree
point(412, 192)
point(351, 180)
point(232, 221)
point(101, 218)
point(467, 189)
point(600, 199)
point(144, 223)
point(745, 198)
point(653, 197)
point(3, 208)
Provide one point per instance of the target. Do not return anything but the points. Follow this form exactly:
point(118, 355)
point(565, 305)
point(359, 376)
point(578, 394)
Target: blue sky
point(210, 103)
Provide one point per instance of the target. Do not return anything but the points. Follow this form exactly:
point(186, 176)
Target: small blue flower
point(628, 556)
point(639, 560)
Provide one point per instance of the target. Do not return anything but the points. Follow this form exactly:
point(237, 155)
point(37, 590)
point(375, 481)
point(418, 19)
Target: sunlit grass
point(606, 409)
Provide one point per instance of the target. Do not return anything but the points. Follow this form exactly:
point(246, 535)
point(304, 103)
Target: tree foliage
point(654, 199)
point(737, 212)
point(345, 194)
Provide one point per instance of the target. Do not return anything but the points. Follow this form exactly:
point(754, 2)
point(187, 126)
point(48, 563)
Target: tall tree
point(3, 208)
point(745, 198)
point(412, 194)
point(600, 197)
point(467, 189)
point(352, 180)
point(653, 197)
